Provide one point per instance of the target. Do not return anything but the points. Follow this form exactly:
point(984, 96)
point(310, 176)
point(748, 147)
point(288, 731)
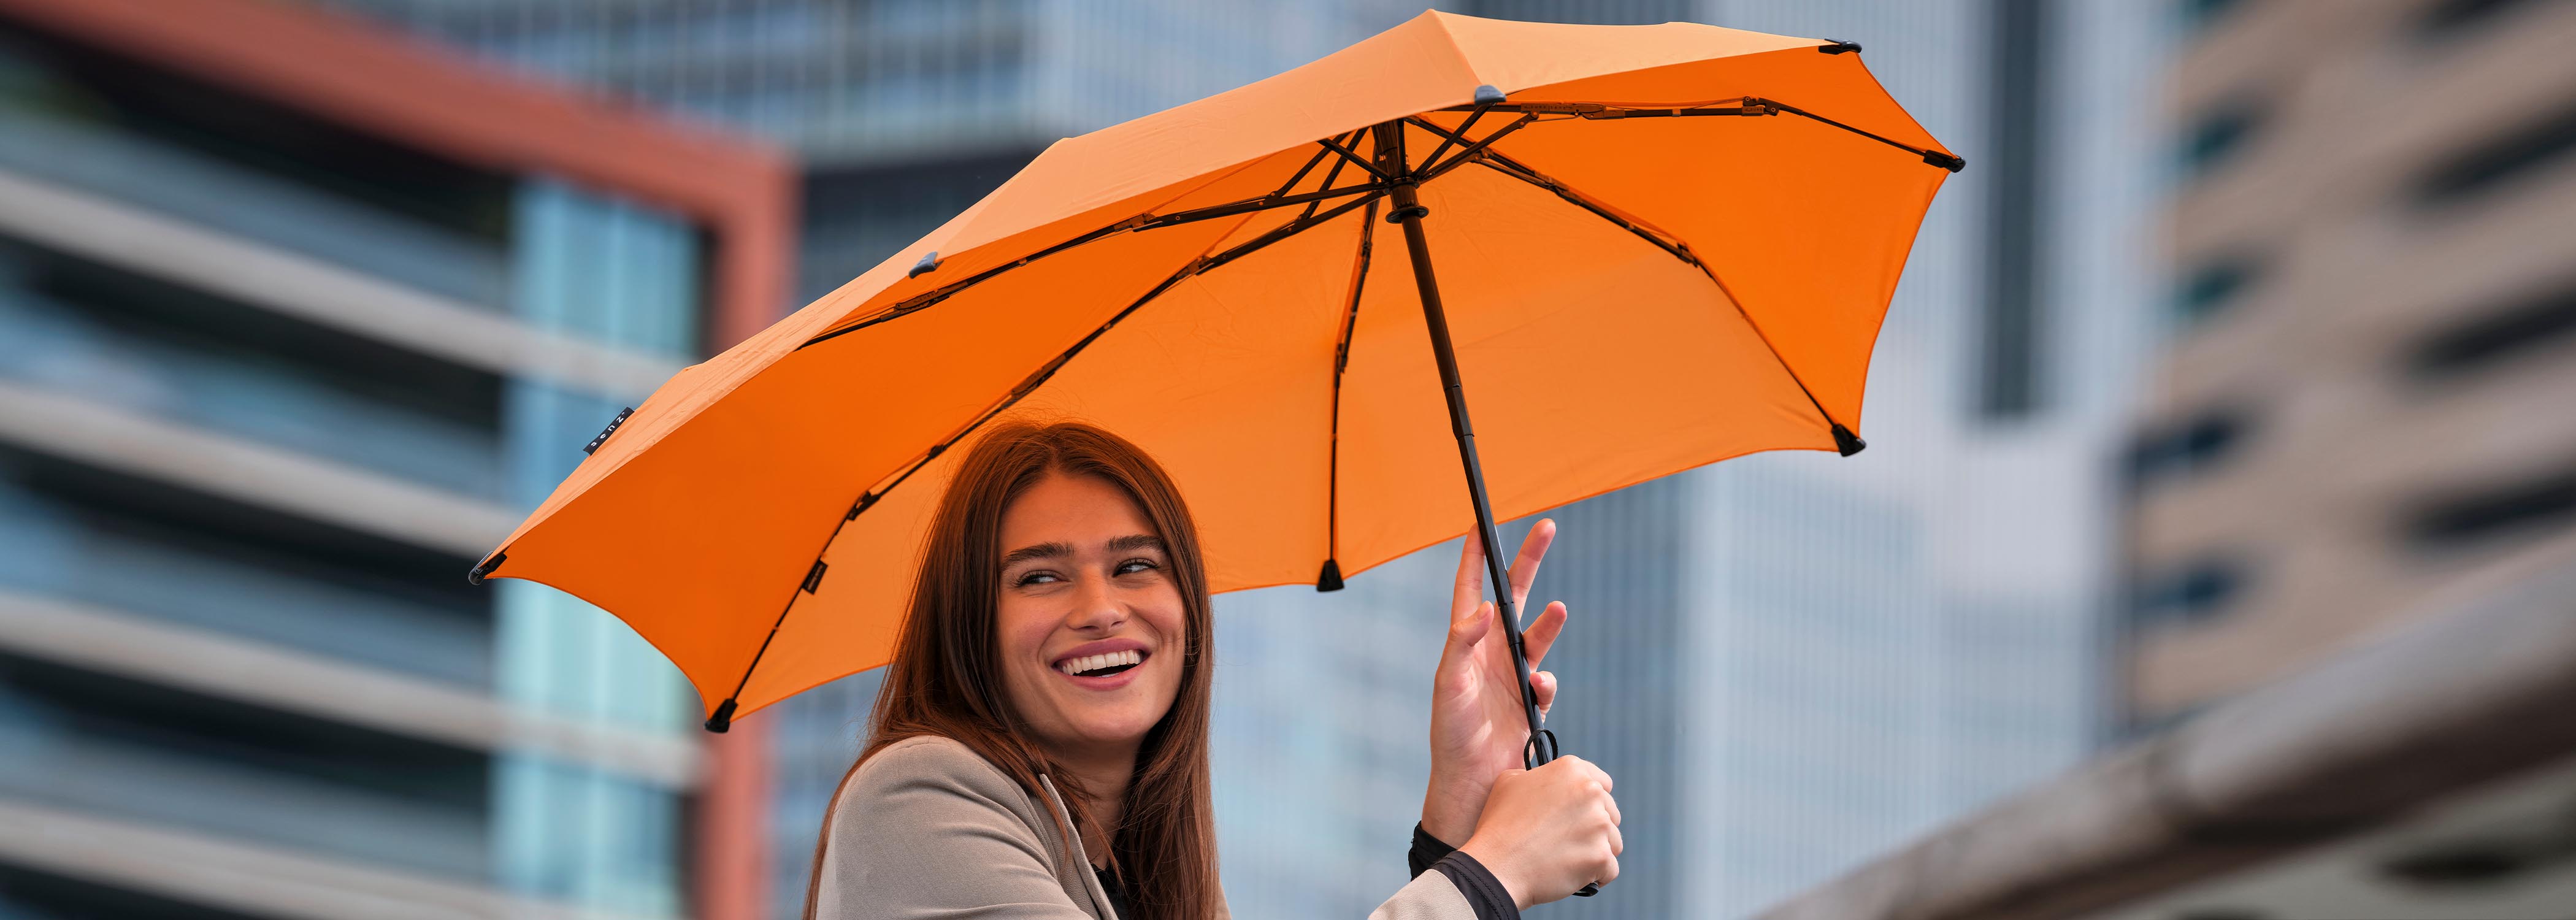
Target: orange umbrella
point(1658, 247)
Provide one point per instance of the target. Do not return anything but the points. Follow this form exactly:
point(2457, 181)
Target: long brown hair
point(946, 681)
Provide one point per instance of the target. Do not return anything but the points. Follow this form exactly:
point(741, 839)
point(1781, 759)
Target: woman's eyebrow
point(1056, 550)
point(1135, 541)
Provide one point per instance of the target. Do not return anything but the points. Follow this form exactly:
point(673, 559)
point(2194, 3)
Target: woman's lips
point(1103, 681)
point(1127, 661)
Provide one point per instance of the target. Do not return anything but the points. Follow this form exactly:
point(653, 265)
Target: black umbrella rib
point(933, 296)
point(1432, 169)
point(1948, 161)
point(1278, 199)
point(1329, 176)
point(723, 717)
point(1679, 250)
point(1321, 152)
point(1753, 105)
point(1342, 360)
point(1348, 156)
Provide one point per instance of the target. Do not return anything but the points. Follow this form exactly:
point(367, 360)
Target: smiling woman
point(1040, 747)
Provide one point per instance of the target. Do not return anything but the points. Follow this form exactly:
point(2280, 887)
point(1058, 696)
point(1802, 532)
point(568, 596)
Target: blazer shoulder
point(934, 762)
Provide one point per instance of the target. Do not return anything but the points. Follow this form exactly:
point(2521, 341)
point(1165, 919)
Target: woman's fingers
point(1465, 630)
point(1524, 571)
point(1470, 586)
point(1541, 634)
point(1544, 684)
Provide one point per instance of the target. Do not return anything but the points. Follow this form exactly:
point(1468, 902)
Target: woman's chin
point(1114, 728)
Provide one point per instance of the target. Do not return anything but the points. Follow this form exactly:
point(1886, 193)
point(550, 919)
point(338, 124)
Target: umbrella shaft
point(1408, 212)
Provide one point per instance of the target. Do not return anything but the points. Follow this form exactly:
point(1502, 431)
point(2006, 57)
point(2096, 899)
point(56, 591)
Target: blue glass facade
point(618, 273)
point(232, 526)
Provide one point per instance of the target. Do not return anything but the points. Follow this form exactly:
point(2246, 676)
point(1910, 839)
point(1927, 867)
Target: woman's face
point(1091, 622)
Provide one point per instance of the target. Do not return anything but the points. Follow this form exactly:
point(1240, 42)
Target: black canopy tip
point(1331, 578)
point(1839, 46)
point(723, 719)
point(1951, 162)
point(474, 576)
point(1847, 443)
point(929, 263)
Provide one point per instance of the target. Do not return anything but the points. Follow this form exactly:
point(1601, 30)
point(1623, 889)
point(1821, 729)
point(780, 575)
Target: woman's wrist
point(1498, 863)
point(1450, 807)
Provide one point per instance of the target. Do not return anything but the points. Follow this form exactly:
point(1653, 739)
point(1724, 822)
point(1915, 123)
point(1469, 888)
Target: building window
point(2528, 508)
point(2192, 593)
point(2009, 377)
point(2451, 17)
point(2217, 135)
point(2195, 445)
point(2212, 287)
point(2199, 14)
point(2495, 336)
point(2500, 160)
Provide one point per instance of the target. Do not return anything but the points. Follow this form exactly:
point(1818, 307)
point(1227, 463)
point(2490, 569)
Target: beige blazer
point(928, 828)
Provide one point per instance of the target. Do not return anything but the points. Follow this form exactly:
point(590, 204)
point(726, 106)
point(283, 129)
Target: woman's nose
point(1095, 606)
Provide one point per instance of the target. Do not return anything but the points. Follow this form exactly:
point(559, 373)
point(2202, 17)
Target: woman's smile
point(1105, 665)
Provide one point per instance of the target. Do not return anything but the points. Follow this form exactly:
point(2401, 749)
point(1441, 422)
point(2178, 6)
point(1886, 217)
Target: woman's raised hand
point(1477, 726)
point(1547, 832)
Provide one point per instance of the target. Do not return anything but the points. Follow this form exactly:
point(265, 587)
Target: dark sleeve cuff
point(1426, 850)
point(1484, 893)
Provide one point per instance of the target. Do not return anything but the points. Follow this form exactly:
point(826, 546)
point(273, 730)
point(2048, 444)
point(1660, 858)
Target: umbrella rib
point(1949, 161)
point(1752, 105)
point(1342, 360)
point(1027, 385)
point(1320, 153)
point(1355, 159)
point(1139, 222)
point(1329, 176)
point(1679, 250)
point(1433, 170)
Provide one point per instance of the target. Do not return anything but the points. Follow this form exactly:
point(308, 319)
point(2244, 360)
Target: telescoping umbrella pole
point(1409, 212)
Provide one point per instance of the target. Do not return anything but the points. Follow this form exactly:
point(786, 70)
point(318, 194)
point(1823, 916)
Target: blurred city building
point(296, 320)
point(2349, 642)
point(2363, 404)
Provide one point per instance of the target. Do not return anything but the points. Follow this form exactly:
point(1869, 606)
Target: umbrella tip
point(1839, 46)
point(1846, 442)
point(929, 262)
point(1951, 162)
point(1488, 95)
point(474, 576)
point(1331, 578)
point(723, 719)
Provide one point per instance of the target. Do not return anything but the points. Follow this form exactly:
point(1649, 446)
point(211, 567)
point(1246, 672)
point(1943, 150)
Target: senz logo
point(593, 446)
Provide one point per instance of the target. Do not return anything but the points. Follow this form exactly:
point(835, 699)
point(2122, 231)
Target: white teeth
point(1073, 666)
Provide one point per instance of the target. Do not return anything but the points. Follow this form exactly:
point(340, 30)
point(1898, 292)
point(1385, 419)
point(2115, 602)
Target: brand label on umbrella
point(593, 446)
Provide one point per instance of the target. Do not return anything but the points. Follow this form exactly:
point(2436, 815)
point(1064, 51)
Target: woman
point(1039, 748)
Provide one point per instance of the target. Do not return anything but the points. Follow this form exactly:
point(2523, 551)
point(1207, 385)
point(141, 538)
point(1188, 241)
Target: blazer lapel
point(1080, 871)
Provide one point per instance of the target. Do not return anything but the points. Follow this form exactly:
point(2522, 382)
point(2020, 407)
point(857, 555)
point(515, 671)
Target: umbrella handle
point(1540, 749)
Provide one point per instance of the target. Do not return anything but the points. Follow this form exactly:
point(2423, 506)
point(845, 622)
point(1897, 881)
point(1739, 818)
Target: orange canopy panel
point(1659, 247)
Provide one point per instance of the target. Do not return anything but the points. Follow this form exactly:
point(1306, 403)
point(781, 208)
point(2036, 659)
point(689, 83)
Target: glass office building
point(273, 374)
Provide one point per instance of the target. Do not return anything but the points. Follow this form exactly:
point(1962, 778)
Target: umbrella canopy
point(1659, 246)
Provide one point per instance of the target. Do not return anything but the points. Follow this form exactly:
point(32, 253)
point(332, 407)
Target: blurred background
point(2211, 559)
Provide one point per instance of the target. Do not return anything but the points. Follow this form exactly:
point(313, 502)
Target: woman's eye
point(1034, 578)
point(1133, 566)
